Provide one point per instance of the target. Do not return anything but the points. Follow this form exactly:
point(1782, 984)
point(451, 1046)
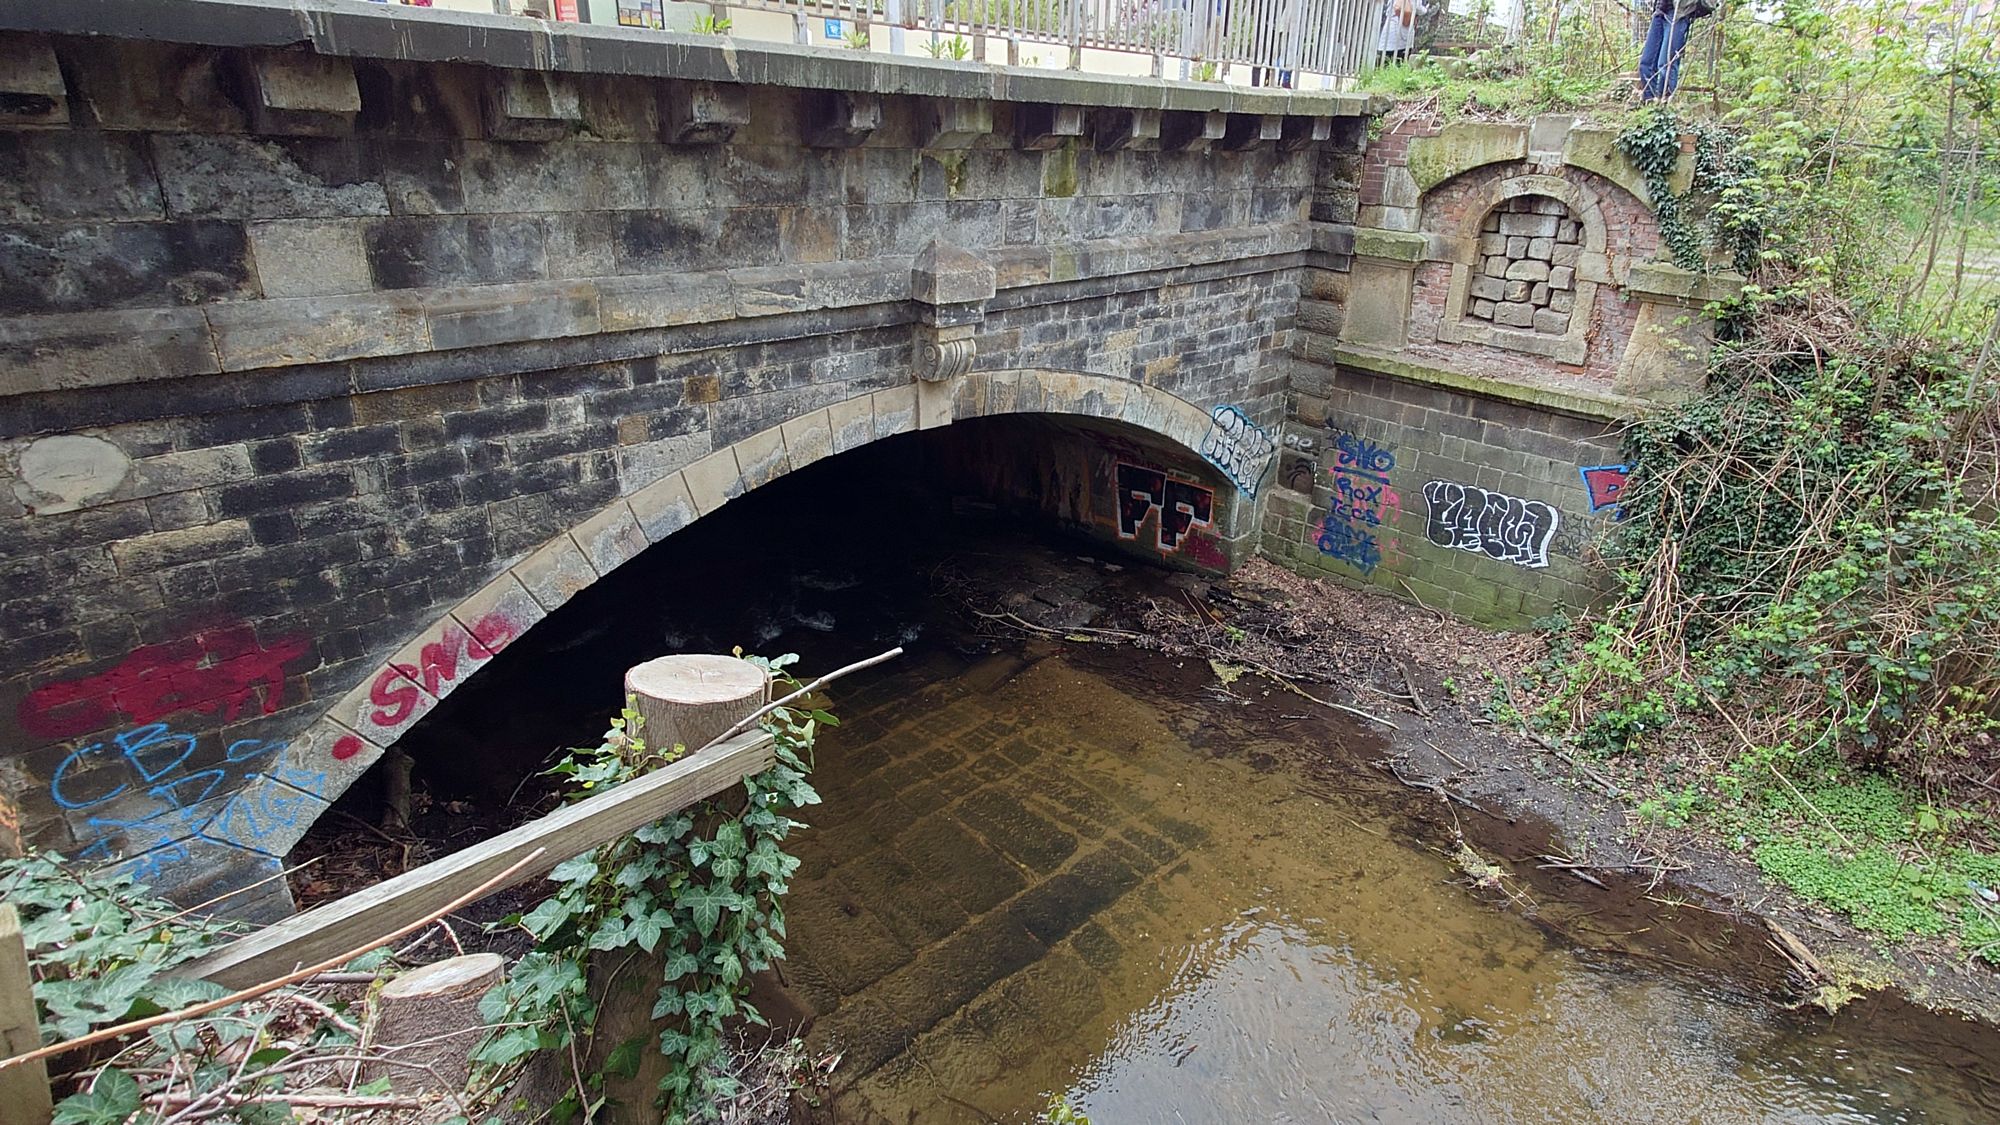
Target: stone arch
point(320, 763)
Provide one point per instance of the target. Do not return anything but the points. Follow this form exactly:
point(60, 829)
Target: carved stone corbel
point(950, 288)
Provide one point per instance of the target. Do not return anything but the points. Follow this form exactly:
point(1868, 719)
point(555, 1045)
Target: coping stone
point(341, 28)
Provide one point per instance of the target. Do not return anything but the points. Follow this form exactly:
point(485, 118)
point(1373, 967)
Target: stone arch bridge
point(339, 346)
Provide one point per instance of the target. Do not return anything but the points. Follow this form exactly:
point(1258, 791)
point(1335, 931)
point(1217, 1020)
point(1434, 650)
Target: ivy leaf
point(113, 1097)
point(546, 917)
point(610, 935)
point(623, 1061)
point(679, 964)
point(646, 931)
point(707, 901)
point(578, 869)
point(508, 1046)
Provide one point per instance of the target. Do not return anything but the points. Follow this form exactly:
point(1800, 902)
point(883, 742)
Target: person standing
point(1399, 28)
point(1666, 41)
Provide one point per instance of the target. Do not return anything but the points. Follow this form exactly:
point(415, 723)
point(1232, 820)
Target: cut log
point(24, 1089)
point(688, 700)
point(429, 1017)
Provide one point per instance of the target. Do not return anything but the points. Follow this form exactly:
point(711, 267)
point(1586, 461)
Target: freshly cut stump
point(430, 1016)
point(690, 699)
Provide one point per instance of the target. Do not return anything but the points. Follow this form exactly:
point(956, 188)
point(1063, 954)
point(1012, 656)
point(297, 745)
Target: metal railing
point(1335, 38)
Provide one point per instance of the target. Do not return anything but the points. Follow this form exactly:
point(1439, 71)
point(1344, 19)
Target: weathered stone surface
point(611, 538)
point(300, 93)
point(1516, 290)
point(261, 178)
point(840, 119)
point(31, 83)
point(49, 268)
point(663, 507)
point(1515, 315)
point(1531, 225)
point(556, 573)
point(43, 353)
point(418, 252)
point(69, 471)
point(808, 439)
point(953, 122)
point(1462, 146)
point(761, 458)
point(1562, 302)
point(944, 274)
point(714, 480)
point(526, 105)
point(704, 112)
point(1562, 277)
point(253, 334)
point(1550, 322)
point(1482, 309)
point(70, 174)
point(309, 257)
point(1488, 288)
point(1528, 270)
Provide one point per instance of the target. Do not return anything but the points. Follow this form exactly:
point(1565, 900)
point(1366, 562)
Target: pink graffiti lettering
point(440, 664)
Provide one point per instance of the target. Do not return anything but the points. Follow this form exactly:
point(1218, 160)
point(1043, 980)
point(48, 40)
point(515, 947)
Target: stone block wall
point(1461, 496)
point(325, 372)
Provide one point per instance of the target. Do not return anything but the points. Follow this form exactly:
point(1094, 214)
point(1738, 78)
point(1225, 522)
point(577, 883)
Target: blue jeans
point(1660, 62)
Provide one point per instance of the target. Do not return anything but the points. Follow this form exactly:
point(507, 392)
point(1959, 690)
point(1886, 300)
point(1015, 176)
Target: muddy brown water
point(1106, 877)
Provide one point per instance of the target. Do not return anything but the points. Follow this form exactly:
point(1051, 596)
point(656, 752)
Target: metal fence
point(1325, 37)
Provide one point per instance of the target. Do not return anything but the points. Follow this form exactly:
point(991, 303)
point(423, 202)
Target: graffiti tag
point(1503, 527)
point(1181, 505)
point(221, 672)
point(1606, 486)
point(1239, 447)
point(1363, 502)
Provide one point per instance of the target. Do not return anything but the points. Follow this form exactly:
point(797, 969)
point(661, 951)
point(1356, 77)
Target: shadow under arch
point(337, 748)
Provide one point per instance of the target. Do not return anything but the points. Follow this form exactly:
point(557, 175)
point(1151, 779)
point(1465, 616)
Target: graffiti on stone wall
point(1502, 527)
point(1239, 447)
point(1606, 486)
point(1364, 504)
point(136, 794)
point(224, 672)
point(145, 791)
point(1181, 505)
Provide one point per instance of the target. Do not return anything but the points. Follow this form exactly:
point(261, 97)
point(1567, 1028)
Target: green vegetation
point(1805, 653)
point(695, 896)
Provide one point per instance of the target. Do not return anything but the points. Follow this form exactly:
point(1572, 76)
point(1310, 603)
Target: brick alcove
point(1529, 248)
point(1505, 288)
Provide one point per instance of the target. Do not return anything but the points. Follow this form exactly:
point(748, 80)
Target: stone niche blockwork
point(1528, 248)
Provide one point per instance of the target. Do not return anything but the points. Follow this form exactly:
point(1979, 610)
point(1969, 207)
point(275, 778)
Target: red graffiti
point(221, 672)
point(440, 664)
point(345, 747)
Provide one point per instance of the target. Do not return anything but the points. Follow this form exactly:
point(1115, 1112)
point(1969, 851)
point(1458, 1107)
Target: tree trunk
point(430, 1016)
point(688, 700)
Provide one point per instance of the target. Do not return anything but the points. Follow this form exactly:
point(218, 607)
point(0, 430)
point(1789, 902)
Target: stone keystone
point(298, 93)
point(704, 113)
point(531, 105)
point(946, 275)
point(840, 119)
point(32, 91)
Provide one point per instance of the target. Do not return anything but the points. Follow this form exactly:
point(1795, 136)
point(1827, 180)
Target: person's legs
point(1651, 56)
point(1677, 41)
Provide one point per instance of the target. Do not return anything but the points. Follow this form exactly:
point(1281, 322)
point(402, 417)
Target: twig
point(743, 724)
point(1410, 683)
point(133, 1027)
point(1448, 754)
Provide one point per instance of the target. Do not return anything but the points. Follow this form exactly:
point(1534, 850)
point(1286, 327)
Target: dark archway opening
point(834, 561)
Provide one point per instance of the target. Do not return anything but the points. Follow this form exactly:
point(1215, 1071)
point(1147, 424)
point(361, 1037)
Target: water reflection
point(1027, 879)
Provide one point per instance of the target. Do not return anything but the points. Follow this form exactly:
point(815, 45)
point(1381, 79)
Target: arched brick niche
point(1529, 248)
point(1524, 256)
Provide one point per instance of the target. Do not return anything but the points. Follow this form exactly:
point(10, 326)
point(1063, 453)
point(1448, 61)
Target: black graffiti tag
point(1182, 505)
point(1504, 527)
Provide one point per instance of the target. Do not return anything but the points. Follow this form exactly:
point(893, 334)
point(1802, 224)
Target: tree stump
point(430, 1016)
point(688, 700)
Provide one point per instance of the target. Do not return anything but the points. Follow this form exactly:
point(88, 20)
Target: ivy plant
point(699, 892)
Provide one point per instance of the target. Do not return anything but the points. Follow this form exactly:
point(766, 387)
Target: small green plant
point(1674, 809)
point(711, 25)
point(857, 41)
point(955, 47)
point(699, 891)
point(1060, 1112)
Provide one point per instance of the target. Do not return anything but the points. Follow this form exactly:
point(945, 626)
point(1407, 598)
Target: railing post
point(892, 14)
point(1075, 10)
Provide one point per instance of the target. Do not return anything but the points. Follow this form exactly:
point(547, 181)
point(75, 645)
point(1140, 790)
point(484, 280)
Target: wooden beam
point(24, 1089)
point(326, 930)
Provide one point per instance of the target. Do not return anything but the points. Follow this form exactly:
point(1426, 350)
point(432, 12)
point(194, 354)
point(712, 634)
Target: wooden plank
point(325, 931)
point(24, 1089)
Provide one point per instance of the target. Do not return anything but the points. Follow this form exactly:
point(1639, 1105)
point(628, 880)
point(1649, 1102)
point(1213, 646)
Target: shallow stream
point(1091, 875)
